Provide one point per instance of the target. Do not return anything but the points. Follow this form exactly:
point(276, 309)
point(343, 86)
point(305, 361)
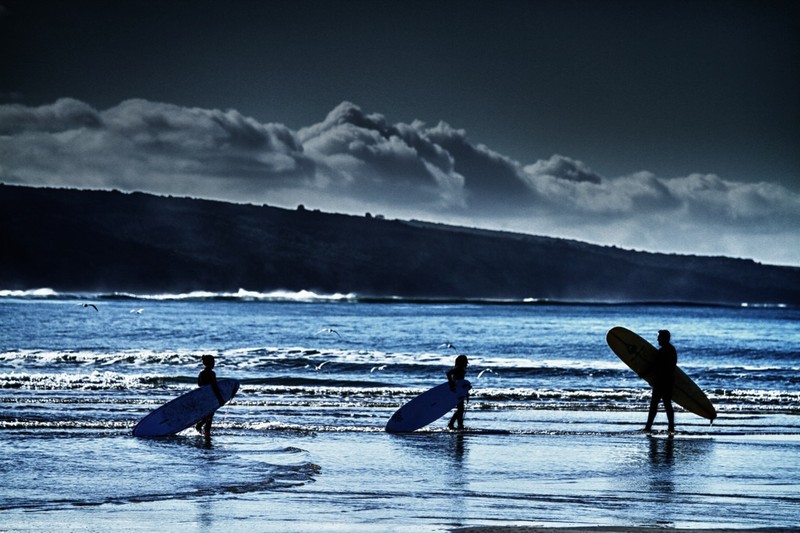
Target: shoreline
point(612, 529)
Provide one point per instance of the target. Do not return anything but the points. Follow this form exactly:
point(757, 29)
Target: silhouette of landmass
point(72, 240)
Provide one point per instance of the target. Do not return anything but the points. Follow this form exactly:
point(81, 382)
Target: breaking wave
point(307, 296)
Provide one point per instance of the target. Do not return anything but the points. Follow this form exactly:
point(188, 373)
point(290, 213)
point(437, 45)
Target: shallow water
point(302, 447)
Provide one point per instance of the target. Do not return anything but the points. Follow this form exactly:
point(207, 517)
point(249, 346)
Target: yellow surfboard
point(639, 354)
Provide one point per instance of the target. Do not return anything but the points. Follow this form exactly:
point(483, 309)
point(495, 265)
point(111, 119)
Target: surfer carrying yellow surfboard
point(663, 371)
point(459, 371)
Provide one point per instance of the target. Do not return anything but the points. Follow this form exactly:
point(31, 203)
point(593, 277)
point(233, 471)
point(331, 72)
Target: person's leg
point(458, 417)
point(651, 415)
point(670, 412)
point(207, 426)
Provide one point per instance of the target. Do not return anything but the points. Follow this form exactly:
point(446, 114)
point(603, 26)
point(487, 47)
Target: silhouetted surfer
point(208, 377)
point(663, 380)
point(454, 374)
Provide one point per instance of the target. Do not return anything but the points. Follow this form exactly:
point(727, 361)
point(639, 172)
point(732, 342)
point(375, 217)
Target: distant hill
point(73, 240)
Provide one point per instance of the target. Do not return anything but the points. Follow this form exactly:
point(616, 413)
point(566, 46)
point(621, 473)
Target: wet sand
point(611, 529)
point(364, 482)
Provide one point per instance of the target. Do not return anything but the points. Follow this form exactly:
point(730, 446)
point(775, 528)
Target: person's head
point(461, 361)
point(663, 337)
point(208, 361)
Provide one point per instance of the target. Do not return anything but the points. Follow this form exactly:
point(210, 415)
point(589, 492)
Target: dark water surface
point(302, 447)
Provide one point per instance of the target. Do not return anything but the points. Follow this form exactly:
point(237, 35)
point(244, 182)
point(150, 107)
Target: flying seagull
point(91, 305)
point(482, 372)
point(447, 345)
point(328, 330)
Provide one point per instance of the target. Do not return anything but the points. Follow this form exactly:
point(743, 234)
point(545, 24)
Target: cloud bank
point(357, 162)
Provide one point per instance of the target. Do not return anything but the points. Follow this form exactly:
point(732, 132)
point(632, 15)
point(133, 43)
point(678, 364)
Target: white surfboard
point(185, 410)
point(427, 407)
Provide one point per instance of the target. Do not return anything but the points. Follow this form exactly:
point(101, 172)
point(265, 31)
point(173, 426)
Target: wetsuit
point(663, 382)
point(208, 377)
point(453, 375)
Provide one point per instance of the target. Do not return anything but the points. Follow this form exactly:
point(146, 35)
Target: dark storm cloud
point(66, 114)
point(141, 145)
point(353, 161)
point(491, 179)
point(365, 157)
point(221, 144)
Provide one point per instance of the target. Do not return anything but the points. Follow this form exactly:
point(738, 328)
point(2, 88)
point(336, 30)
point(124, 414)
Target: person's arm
point(451, 380)
point(656, 366)
point(673, 361)
point(215, 388)
point(646, 371)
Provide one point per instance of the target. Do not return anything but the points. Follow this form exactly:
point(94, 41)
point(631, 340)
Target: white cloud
point(356, 162)
point(563, 168)
point(708, 195)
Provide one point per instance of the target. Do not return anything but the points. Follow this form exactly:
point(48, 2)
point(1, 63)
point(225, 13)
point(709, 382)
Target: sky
point(666, 126)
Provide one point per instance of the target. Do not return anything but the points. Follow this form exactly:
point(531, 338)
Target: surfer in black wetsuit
point(208, 377)
point(459, 371)
point(664, 379)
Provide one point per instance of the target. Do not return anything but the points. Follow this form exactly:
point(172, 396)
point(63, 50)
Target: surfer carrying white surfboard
point(459, 371)
point(208, 377)
point(663, 371)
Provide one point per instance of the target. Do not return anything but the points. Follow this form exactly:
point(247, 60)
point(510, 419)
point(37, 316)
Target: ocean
point(553, 416)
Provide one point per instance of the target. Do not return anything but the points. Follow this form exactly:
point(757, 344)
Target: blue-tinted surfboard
point(427, 407)
point(185, 410)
